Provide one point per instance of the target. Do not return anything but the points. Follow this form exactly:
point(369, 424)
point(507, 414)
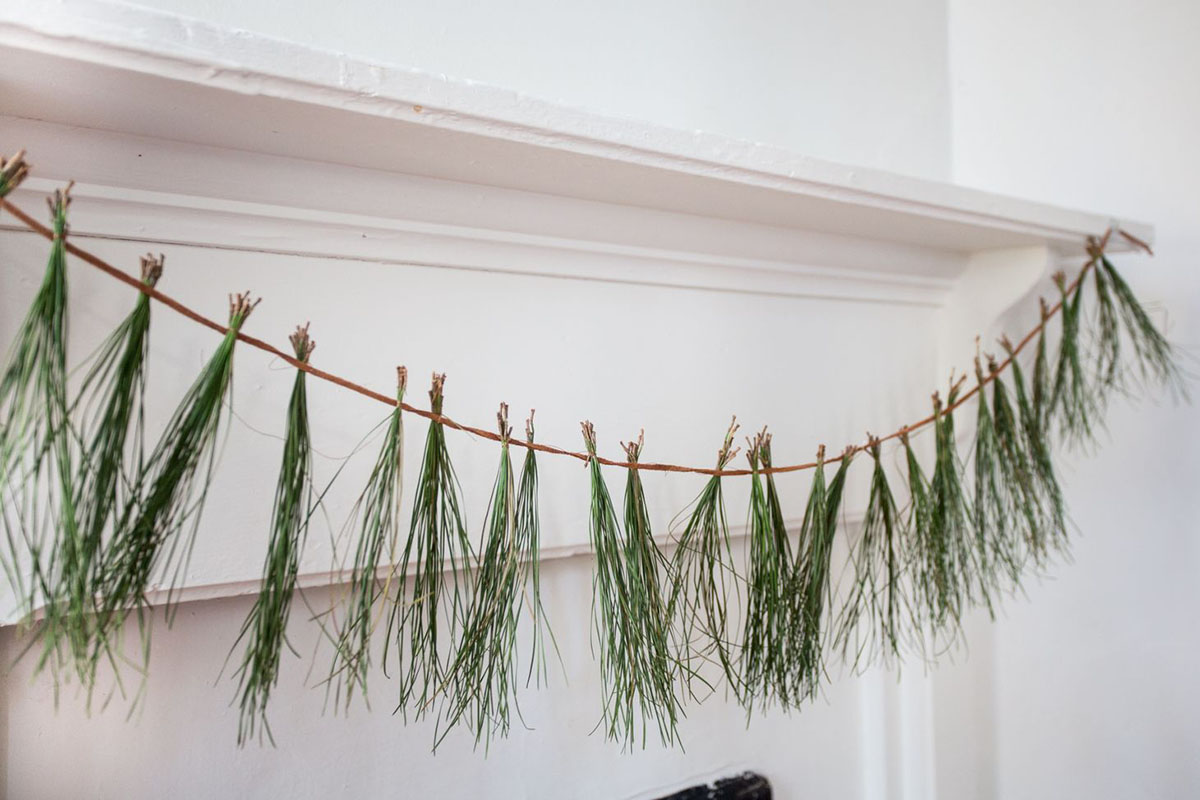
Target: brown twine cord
point(1096, 248)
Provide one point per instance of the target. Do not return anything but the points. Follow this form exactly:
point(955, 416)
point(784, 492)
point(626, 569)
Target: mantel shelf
point(134, 71)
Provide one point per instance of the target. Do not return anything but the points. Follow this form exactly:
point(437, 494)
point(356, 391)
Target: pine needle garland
point(265, 628)
point(155, 533)
point(703, 575)
point(764, 656)
point(35, 442)
point(630, 619)
point(111, 397)
point(378, 512)
point(879, 612)
point(811, 576)
point(436, 553)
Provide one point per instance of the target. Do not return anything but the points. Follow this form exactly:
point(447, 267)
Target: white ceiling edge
point(842, 199)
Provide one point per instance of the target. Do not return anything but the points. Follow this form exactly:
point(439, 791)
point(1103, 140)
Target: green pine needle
point(378, 514)
point(630, 617)
point(484, 674)
point(880, 612)
point(1072, 402)
point(265, 628)
point(1155, 358)
point(811, 577)
point(1038, 459)
point(37, 480)
point(764, 658)
point(425, 622)
point(111, 397)
point(155, 533)
point(703, 575)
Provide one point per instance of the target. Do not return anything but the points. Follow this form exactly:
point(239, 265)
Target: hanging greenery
point(810, 577)
point(156, 530)
point(377, 513)
point(111, 418)
point(92, 523)
point(764, 656)
point(630, 618)
point(483, 679)
point(425, 621)
point(37, 452)
point(879, 612)
point(265, 628)
point(703, 575)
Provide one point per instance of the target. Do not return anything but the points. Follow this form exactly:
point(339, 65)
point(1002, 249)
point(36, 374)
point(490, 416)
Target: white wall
point(861, 82)
point(1094, 693)
point(1081, 690)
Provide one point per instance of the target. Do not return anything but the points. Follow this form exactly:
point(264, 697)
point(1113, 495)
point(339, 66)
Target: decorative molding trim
point(163, 219)
point(409, 121)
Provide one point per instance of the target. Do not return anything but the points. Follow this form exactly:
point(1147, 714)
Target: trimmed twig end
point(302, 344)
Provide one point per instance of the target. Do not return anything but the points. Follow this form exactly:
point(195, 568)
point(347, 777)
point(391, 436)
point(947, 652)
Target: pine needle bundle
point(484, 674)
point(629, 616)
point(36, 440)
point(812, 586)
point(1041, 381)
point(156, 532)
point(437, 542)
point(940, 521)
point(764, 656)
point(1052, 529)
point(879, 610)
point(648, 622)
point(999, 507)
point(703, 574)
point(1072, 402)
point(265, 628)
point(112, 398)
point(1107, 331)
point(378, 513)
point(529, 540)
point(1155, 357)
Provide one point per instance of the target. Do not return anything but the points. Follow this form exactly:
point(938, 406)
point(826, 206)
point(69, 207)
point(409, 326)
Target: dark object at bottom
point(747, 786)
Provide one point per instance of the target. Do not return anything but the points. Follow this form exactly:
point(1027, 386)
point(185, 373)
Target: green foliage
point(765, 657)
point(703, 577)
point(880, 612)
point(110, 403)
point(155, 532)
point(436, 555)
point(1155, 362)
point(377, 514)
point(811, 577)
point(1072, 402)
point(37, 479)
point(265, 628)
point(484, 676)
point(631, 621)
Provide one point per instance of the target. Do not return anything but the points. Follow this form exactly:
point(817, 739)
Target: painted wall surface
point(1084, 689)
point(860, 82)
point(1090, 688)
